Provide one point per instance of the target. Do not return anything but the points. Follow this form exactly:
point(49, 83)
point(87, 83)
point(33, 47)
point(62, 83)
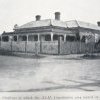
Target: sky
point(22, 11)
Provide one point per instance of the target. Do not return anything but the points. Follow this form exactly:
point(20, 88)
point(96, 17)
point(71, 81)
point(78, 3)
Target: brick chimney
point(38, 17)
point(98, 23)
point(57, 15)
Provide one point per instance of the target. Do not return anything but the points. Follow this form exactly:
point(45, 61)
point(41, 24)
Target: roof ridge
point(70, 20)
point(77, 23)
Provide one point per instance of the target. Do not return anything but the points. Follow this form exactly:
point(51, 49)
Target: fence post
point(0, 42)
point(11, 45)
point(59, 44)
point(92, 48)
point(11, 40)
point(36, 48)
point(25, 46)
point(40, 46)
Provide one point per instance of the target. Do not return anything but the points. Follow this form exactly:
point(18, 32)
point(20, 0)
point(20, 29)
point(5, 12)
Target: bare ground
point(49, 73)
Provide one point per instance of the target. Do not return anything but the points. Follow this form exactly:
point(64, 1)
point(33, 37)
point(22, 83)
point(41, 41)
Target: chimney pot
point(98, 23)
point(38, 17)
point(57, 15)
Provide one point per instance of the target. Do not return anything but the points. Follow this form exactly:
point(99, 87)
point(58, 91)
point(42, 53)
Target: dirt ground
point(49, 73)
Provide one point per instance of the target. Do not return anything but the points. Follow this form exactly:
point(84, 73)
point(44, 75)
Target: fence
point(49, 47)
point(76, 47)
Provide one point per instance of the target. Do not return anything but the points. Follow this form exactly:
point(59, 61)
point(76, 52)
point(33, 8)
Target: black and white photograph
point(49, 46)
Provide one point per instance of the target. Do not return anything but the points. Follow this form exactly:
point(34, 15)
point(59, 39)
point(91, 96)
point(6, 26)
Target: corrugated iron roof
point(42, 23)
point(66, 24)
point(75, 23)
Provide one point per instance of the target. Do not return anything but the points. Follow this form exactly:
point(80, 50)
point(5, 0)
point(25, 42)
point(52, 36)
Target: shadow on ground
point(90, 56)
point(22, 55)
point(81, 57)
point(81, 86)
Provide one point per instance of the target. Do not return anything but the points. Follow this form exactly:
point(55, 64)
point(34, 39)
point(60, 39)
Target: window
point(30, 38)
point(15, 38)
point(62, 37)
point(33, 37)
point(77, 37)
point(5, 38)
point(24, 38)
point(55, 37)
point(47, 37)
point(70, 38)
point(83, 39)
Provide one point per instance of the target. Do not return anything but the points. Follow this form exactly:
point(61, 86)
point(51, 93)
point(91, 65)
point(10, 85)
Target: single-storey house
point(50, 36)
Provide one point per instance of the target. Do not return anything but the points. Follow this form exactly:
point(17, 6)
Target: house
point(50, 36)
point(88, 32)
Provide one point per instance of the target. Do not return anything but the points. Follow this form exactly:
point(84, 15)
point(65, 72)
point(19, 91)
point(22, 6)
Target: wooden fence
point(76, 47)
point(50, 47)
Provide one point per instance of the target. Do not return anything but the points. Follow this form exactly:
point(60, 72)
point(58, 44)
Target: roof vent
point(98, 23)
